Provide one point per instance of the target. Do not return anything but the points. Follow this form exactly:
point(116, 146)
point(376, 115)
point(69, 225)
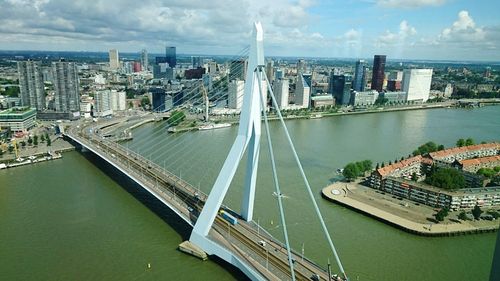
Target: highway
point(258, 248)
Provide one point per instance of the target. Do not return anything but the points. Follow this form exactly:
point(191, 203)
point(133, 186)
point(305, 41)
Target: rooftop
point(463, 149)
point(478, 161)
point(385, 171)
point(17, 110)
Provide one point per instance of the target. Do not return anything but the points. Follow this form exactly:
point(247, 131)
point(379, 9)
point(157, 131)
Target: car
point(262, 243)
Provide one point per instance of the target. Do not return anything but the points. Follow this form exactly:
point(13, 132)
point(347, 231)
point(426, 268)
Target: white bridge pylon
point(248, 138)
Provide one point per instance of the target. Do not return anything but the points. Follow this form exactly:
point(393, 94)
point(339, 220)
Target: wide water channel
point(70, 219)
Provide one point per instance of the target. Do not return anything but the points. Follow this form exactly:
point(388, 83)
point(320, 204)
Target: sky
point(401, 29)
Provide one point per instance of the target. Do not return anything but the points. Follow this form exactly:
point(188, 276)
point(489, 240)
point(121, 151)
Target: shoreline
point(341, 197)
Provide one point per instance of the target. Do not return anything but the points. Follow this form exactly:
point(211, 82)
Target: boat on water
point(340, 170)
point(214, 126)
point(315, 116)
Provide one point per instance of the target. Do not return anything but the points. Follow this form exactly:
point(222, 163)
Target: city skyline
point(404, 29)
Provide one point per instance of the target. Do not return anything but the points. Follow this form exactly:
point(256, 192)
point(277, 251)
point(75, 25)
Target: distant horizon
point(492, 62)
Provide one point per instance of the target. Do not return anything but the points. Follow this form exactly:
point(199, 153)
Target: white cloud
point(463, 30)
point(192, 25)
point(409, 3)
point(405, 30)
point(390, 38)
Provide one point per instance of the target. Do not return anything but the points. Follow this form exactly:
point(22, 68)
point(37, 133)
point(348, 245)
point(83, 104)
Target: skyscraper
point(302, 92)
point(114, 62)
point(171, 56)
point(67, 97)
point(196, 62)
point(378, 72)
point(159, 96)
point(359, 81)
point(31, 84)
point(301, 66)
point(237, 69)
point(417, 84)
point(144, 59)
point(235, 94)
point(281, 91)
point(340, 88)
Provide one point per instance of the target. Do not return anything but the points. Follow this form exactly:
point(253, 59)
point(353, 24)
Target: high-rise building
point(417, 84)
point(159, 96)
point(235, 94)
point(137, 66)
point(212, 67)
point(118, 100)
point(270, 71)
point(196, 62)
point(171, 56)
point(144, 59)
point(114, 61)
point(301, 66)
point(340, 88)
point(302, 92)
point(278, 73)
point(237, 69)
point(163, 71)
point(31, 84)
point(281, 92)
point(359, 82)
point(66, 85)
point(378, 74)
point(103, 103)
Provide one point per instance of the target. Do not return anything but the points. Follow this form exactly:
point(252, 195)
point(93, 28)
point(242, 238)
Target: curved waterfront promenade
point(339, 193)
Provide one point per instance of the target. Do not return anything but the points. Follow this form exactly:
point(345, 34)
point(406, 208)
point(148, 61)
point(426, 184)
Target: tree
point(11, 148)
point(469, 141)
point(476, 212)
point(446, 178)
point(35, 140)
point(42, 138)
point(30, 140)
point(49, 142)
point(460, 142)
point(145, 102)
point(443, 213)
point(462, 216)
point(23, 143)
point(351, 171)
point(367, 165)
point(176, 118)
point(440, 147)
point(414, 177)
point(486, 172)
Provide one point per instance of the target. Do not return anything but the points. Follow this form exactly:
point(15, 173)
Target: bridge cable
point(275, 174)
point(306, 181)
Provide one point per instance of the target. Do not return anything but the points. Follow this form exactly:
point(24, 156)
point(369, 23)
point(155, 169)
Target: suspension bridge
point(218, 230)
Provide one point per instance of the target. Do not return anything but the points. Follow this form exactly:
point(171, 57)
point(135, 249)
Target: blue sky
point(402, 29)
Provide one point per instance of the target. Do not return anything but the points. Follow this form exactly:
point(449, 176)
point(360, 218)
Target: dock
point(345, 195)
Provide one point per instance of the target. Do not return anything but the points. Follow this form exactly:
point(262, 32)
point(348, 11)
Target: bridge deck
point(244, 240)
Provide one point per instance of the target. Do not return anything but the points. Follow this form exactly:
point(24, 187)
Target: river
point(70, 220)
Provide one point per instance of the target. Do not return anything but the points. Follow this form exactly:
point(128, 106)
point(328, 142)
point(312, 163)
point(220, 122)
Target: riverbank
point(402, 214)
point(58, 146)
point(315, 115)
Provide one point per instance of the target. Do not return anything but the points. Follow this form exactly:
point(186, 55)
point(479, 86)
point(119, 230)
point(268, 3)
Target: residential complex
point(31, 84)
point(66, 85)
point(404, 178)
